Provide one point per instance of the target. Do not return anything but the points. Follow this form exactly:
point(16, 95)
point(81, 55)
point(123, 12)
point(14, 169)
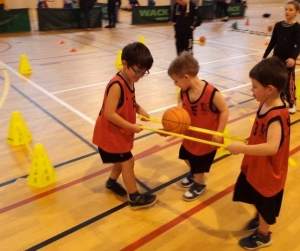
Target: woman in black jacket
point(86, 6)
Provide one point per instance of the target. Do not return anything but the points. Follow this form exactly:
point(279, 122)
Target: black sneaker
point(256, 241)
point(253, 224)
point(195, 191)
point(188, 180)
point(117, 189)
point(142, 201)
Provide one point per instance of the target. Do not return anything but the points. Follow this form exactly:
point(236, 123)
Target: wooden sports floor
point(59, 103)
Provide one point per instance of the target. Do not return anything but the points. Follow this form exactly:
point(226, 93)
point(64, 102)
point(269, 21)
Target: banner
point(206, 12)
point(61, 19)
point(15, 20)
point(236, 10)
point(150, 14)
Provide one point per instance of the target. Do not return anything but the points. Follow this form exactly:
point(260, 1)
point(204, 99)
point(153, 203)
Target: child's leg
point(290, 89)
point(136, 200)
point(128, 175)
point(264, 227)
point(199, 178)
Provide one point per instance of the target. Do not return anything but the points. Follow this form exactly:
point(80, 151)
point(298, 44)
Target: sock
point(111, 182)
point(263, 233)
point(132, 196)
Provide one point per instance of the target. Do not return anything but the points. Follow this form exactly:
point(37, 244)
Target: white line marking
point(80, 114)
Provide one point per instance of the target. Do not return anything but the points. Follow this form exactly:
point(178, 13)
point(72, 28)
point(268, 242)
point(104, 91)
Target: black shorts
point(267, 207)
point(198, 164)
point(114, 157)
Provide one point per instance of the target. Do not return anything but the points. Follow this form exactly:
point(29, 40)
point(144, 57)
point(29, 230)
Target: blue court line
point(68, 129)
point(106, 213)
point(112, 210)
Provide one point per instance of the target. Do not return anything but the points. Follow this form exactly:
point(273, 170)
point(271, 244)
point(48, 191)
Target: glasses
point(140, 73)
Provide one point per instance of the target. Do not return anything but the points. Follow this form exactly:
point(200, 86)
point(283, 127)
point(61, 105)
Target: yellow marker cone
point(41, 172)
point(298, 89)
point(24, 66)
point(18, 132)
point(178, 92)
point(292, 162)
point(142, 40)
point(221, 151)
point(119, 64)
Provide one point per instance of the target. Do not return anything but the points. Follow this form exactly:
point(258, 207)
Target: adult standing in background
point(42, 4)
point(67, 4)
point(3, 5)
point(86, 6)
point(111, 11)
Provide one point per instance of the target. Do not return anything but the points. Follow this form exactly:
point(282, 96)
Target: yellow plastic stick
point(197, 129)
point(182, 136)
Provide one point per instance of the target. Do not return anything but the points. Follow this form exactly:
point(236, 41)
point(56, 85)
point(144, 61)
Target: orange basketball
point(176, 120)
point(270, 28)
point(202, 39)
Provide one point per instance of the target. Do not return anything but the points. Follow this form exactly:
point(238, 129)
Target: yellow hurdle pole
point(182, 136)
point(197, 129)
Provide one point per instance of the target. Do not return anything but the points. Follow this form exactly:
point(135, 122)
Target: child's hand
point(234, 148)
point(143, 113)
point(217, 139)
point(136, 128)
point(290, 62)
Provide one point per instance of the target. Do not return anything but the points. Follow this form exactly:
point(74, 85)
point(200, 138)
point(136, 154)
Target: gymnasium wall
point(18, 4)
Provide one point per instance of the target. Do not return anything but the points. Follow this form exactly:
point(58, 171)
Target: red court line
point(164, 228)
point(149, 237)
point(143, 154)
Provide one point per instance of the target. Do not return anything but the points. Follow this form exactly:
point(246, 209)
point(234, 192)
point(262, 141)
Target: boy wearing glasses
point(116, 124)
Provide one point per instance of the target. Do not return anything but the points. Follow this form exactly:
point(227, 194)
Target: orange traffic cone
point(247, 22)
point(73, 50)
point(61, 42)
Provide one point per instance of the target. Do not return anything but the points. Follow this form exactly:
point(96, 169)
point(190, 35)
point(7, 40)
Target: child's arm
point(140, 110)
point(221, 104)
point(269, 148)
point(112, 100)
point(272, 42)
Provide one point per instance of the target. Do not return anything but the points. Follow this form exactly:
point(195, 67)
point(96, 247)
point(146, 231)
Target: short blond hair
point(185, 63)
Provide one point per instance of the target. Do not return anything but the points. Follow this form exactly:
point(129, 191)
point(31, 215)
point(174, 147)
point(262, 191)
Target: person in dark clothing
point(185, 19)
point(111, 11)
point(86, 6)
point(285, 41)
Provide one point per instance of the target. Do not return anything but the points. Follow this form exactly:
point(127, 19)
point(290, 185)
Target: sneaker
point(293, 109)
point(117, 189)
point(108, 26)
point(224, 19)
point(142, 201)
point(253, 224)
point(256, 241)
point(188, 180)
point(195, 191)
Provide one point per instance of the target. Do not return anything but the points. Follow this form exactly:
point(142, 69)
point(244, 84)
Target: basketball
point(176, 120)
point(270, 28)
point(202, 39)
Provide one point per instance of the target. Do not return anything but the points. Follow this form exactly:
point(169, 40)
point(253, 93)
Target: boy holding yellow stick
point(207, 109)
point(265, 164)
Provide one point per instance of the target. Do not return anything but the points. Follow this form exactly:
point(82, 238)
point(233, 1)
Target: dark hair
point(137, 54)
point(185, 63)
point(295, 3)
point(270, 71)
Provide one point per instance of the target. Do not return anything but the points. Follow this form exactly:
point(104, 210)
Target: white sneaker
point(293, 109)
